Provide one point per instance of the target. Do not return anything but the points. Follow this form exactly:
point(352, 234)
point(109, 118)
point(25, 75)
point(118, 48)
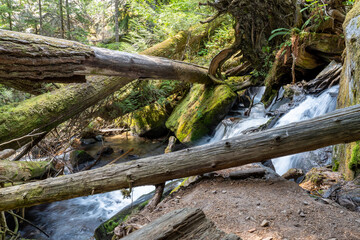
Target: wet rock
point(349, 198)
point(87, 141)
point(7, 153)
point(293, 173)
point(99, 138)
point(265, 223)
point(105, 151)
point(78, 157)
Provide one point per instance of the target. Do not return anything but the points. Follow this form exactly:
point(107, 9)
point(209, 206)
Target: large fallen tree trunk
point(40, 114)
point(337, 127)
point(44, 59)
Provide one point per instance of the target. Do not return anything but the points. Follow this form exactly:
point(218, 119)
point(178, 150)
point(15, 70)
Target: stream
point(77, 218)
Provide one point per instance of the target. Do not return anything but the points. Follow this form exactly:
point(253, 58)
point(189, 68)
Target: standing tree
point(61, 19)
point(40, 19)
point(68, 19)
point(116, 20)
point(9, 6)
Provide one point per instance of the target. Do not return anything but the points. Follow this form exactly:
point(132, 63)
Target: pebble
point(214, 192)
point(252, 230)
point(296, 225)
point(283, 211)
point(332, 239)
point(178, 197)
point(268, 238)
point(247, 218)
point(258, 204)
point(341, 212)
point(302, 214)
point(224, 191)
point(265, 223)
point(306, 203)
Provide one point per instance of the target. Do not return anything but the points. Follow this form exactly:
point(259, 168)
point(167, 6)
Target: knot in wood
point(277, 138)
point(227, 144)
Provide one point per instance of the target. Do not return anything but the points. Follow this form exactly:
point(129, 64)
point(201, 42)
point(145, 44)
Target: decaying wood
point(293, 173)
point(340, 126)
point(11, 171)
point(37, 58)
point(182, 224)
point(325, 79)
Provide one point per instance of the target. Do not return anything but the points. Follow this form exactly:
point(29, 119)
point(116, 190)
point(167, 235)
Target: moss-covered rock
point(347, 154)
point(148, 121)
point(200, 111)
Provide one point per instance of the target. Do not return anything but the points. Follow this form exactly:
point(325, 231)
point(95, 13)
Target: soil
point(241, 206)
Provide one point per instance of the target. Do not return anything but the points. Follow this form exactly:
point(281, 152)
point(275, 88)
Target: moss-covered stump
point(148, 121)
point(346, 155)
point(200, 111)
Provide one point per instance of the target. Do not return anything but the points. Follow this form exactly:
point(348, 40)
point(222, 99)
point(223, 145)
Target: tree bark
point(116, 20)
point(43, 59)
point(61, 14)
point(181, 224)
point(22, 171)
point(40, 19)
point(68, 19)
point(340, 126)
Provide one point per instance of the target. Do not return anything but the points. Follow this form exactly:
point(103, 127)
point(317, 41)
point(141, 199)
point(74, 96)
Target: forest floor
point(241, 206)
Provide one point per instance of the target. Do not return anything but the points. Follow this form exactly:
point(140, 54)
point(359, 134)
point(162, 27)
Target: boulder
point(200, 111)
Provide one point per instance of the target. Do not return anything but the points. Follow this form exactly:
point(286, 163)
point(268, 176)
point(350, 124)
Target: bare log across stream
point(340, 126)
point(29, 57)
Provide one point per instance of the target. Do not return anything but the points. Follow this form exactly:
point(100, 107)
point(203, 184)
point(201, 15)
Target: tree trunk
point(61, 14)
point(44, 59)
point(340, 126)
point(116, 20)
point(181, 224)
point(44, 112)
point(68, 19)
point(22, 171)
point(9, 5)
point(40, 19)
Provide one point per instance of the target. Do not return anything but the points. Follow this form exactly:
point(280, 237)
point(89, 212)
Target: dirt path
point(241, 206)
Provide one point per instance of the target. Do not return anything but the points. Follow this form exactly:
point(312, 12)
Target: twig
point(30, 146)
point(20, 138)
point(18, 216)
point(116, 159)
point(96, 160)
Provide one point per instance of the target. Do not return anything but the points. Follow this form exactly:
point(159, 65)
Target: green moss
point(354, 163)
point(335, 165)
point(200, 111)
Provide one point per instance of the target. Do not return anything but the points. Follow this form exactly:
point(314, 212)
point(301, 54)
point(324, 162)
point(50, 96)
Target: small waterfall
point(235, 124)
point(311, 107)
point(308, 107)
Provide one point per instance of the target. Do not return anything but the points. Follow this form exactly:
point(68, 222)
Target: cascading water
point(311, 107)
point(308, 107)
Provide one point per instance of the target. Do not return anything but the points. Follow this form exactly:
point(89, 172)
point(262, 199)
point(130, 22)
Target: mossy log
point(340, 126)
point(44, 112)
point(43, 59)
point(22, 171)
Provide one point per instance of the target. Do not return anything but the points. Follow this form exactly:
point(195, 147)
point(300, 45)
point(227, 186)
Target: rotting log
point(22, 171)
point(181, 224)
point(44, 59)
point(340, 126)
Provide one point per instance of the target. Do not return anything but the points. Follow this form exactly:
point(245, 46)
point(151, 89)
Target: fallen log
point(11, 171)
point(181, 224)
point(44, 59)
point(340, 126)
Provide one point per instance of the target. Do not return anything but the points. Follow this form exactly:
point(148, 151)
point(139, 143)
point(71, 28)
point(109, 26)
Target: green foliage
point(9, 95)
point(336, 164)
